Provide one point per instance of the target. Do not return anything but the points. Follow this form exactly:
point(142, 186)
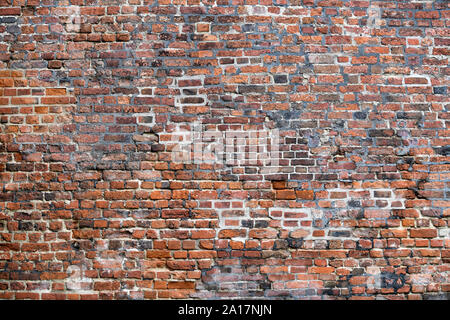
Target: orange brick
point(55, 91)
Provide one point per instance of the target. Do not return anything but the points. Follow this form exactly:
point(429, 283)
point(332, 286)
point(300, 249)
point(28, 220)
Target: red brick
point(423, 233)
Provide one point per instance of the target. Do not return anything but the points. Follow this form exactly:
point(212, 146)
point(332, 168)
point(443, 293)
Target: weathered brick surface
point(98, 199)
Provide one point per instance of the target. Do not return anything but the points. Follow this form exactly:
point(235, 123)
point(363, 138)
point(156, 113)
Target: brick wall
point(155, 149)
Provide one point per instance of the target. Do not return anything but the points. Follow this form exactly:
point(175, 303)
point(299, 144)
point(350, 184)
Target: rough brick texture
point(349, 97)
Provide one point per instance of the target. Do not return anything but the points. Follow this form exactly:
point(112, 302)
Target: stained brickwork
point(277, 149)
